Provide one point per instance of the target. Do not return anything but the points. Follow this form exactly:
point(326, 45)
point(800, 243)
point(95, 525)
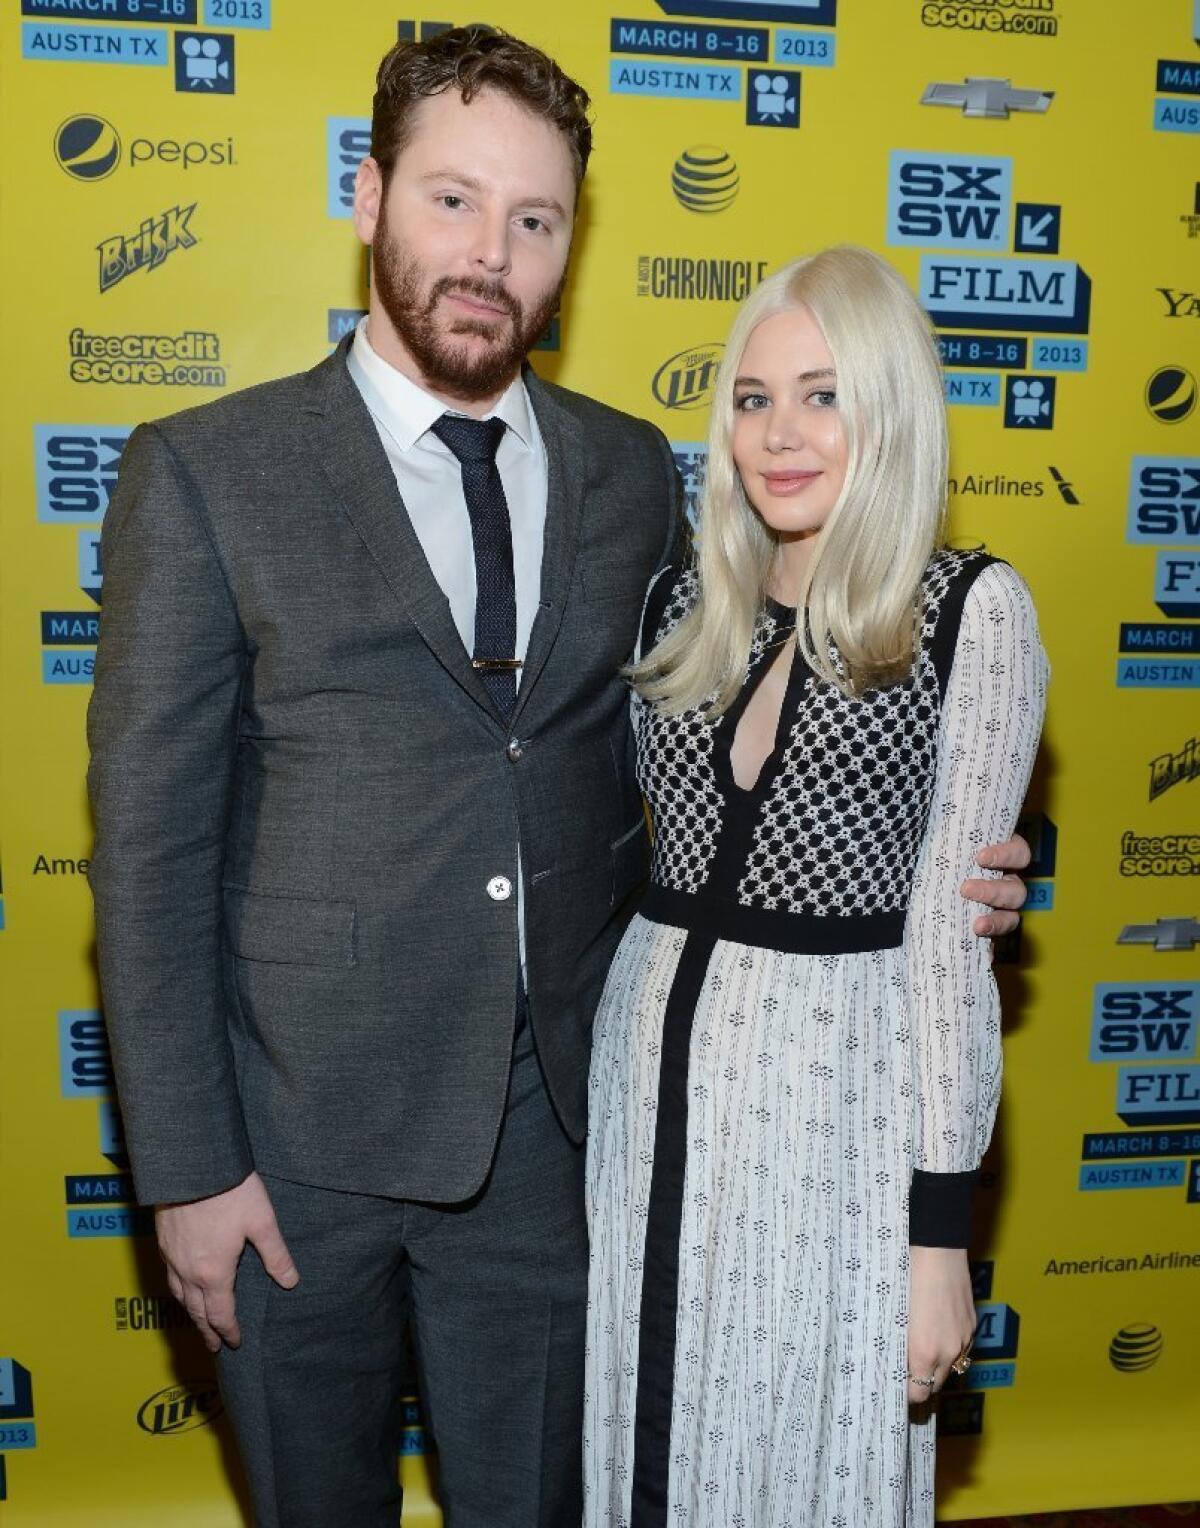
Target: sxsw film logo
point(347, 144)
point(179, 1408)
point(705, 179)
point(1151, 1029)
point(204, 63)
point(89, 148)
point(75, 468)
point(773, 98)
point(686, 379)
point(1136, 1021)
point(147, 247)
point(949, 200)
point(1164, 501)
point(1029, 403)
point(960, 202)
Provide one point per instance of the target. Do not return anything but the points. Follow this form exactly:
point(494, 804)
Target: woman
point(796, 1062)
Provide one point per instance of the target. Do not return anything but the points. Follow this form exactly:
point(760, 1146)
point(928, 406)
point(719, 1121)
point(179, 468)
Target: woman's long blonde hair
point(861, 588)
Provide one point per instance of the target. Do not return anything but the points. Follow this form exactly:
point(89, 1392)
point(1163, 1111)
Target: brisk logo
point(146, 249)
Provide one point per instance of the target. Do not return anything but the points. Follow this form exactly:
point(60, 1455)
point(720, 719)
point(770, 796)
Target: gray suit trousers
point(496, 1291)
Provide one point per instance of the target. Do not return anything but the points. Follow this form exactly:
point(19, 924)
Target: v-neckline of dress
point(785, 623)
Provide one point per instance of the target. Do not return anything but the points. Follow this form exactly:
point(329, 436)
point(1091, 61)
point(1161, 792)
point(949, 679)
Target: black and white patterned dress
point(798, 1037)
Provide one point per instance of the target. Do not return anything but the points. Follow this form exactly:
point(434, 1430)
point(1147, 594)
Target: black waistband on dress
point(769, 928)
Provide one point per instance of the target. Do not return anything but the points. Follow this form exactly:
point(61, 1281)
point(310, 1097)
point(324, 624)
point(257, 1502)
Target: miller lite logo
point(179, 1408)
point(686, 380)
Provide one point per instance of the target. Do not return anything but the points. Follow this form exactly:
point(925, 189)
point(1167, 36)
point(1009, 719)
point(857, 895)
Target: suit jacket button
point(514, 749)
point(499, 888)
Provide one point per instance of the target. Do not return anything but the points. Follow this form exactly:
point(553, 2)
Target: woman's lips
point(781, 484)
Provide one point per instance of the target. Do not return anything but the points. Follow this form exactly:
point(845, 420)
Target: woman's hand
point(941, 1316)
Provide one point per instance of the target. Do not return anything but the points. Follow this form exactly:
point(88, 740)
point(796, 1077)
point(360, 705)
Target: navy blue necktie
point(475, 443)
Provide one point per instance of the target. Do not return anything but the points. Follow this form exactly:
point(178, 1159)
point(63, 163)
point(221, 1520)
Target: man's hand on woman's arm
point(1004, 895)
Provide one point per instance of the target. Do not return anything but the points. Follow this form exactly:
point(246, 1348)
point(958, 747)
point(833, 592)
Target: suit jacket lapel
point(350, 453)
point(565, 461)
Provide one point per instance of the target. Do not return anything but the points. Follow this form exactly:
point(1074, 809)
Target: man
point(368, 829)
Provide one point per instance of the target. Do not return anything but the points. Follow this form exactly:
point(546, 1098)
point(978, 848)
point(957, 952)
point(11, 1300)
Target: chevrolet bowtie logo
point(1166, 934)
point(987, 98)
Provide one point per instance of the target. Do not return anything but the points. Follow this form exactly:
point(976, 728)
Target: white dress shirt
point(430, 481)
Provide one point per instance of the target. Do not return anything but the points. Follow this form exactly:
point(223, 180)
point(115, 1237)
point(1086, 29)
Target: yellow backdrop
point(175, 177)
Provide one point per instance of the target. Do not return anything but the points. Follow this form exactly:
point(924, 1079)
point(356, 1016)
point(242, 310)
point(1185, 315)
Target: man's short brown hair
point(472, 59)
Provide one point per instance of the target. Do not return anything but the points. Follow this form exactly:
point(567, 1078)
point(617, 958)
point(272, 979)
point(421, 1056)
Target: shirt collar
point(407, 411)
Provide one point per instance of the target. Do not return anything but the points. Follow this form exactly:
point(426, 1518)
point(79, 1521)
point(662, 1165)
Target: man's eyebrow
point(546, 203)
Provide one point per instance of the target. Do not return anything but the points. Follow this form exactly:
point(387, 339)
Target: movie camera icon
point(773, 98)
point(204, 62)
point(1029, 403)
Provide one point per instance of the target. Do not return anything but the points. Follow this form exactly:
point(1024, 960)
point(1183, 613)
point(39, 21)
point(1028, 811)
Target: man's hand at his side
point(201, 1243)
point(1006, 895)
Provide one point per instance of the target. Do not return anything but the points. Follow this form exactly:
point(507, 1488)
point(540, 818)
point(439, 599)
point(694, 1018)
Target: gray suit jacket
point(301, 792)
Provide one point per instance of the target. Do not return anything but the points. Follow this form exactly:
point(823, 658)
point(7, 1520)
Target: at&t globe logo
point(1135, 1347)
point(87, 148)
point(705, 179)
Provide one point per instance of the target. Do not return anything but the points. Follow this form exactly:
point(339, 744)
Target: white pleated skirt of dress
point(789, 1371)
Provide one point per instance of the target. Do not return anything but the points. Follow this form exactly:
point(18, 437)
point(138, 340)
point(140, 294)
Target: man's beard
point(446, 367)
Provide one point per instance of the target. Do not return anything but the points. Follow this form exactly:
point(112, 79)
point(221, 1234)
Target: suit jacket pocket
point(289, 930)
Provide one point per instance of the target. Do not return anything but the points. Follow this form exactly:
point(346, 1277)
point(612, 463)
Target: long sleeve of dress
point(990, 725)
